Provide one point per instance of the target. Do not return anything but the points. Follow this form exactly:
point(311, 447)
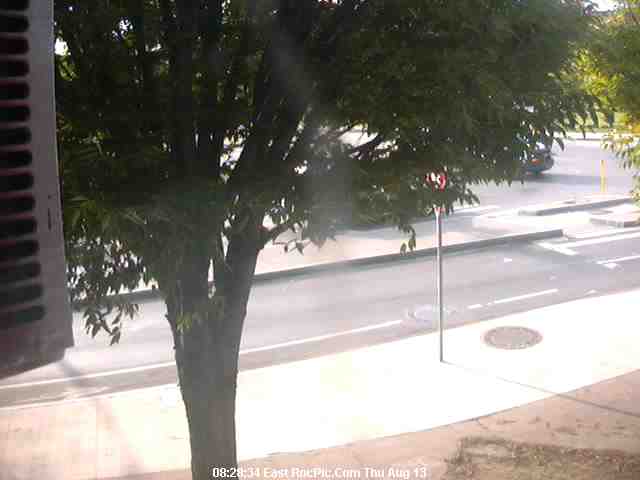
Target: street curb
point(421, 253)
point(375, 260)
point(536, 212)
point(615, 223)
point(580, 139)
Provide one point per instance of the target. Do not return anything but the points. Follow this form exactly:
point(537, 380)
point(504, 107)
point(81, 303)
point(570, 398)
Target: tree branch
point(210, 132)
point(182, 75)
point(138, 20)
point(634, 18)
point(345, 20)
point(367, 146)
point(302, 144)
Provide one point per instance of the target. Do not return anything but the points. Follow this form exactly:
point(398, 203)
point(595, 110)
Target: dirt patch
point(498, 459)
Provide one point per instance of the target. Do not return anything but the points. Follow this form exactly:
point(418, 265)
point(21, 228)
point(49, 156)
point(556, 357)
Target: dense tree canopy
point(184, 123)
point(611, 70)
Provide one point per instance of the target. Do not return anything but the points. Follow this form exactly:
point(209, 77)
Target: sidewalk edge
point(538, 212)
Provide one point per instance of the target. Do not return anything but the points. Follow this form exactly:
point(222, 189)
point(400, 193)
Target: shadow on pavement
point(574, 395)
point(564, 179)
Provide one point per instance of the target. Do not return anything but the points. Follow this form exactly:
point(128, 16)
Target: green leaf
point(115, 337)
point(412, 243)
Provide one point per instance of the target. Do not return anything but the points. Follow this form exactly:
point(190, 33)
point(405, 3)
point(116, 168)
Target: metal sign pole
point(439, 278)
point(438, 181)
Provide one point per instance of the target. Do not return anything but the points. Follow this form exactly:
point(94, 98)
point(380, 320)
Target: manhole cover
point(601, 212)
point(512, 338)
point(427, 315)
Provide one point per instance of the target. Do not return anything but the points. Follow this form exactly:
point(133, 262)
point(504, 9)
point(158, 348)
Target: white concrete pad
point(400, 386)
point(372, 392)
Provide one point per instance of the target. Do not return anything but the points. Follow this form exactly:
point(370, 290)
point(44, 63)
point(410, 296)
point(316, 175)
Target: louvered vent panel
point(35, 319)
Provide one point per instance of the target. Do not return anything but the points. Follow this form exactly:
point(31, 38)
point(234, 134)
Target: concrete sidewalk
point(568, 206)
point(624, 216)
point(366, 396)
point(573, 216)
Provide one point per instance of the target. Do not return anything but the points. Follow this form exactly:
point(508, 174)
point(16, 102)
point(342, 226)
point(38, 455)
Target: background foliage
point(611, 71)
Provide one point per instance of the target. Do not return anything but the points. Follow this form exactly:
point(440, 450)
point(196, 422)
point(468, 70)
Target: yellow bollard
point(603, 177)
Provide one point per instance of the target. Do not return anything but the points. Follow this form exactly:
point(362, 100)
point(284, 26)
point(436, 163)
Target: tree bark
point(207, 352)
point(208, 384)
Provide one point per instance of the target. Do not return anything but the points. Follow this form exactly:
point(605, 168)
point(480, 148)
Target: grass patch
point(498, 459)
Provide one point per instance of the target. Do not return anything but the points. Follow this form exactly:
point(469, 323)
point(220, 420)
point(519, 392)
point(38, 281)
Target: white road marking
point(618, 260)
point(611, 266)
point(604, 233)
point(169, 364)
point(596, 241)
point(513, 299)
point(82, 399)
point(567, 248)
point(524, 297)
point(557, 248)
point(88, 376)
point(320, 337)
point(475, 208)
point(503, 213)
point(508, 260)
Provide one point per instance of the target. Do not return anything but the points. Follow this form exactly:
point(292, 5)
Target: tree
point(184, 123)
point(612, 73)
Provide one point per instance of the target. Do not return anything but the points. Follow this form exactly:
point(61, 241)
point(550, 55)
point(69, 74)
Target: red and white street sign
point(437, 180)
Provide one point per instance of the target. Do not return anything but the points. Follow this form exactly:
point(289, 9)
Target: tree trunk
point(208, 384)
point(207, 354)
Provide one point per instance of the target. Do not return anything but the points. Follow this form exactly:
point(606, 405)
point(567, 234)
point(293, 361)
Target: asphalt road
point(322, 313)
point(297, 318)
point(576, 173)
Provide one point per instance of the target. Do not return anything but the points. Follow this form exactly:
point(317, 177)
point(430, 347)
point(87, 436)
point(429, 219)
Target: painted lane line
point(611, 266)
point(558, 248)
point(475, 208)
point(604, 233)
point(618, 260)
point(170, 364)
point(23, 406)
point(524, 297)
point(567, 248)
point(320, 337)
point(596, 241)
point(502, 213)
point(88, 376)
point(475, 306)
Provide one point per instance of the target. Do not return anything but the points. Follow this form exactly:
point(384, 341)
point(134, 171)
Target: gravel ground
point(497, 459)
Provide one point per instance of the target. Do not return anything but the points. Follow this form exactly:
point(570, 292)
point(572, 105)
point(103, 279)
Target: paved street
point(322, 313)
point(317, 314)
point(576, 172)
point(378, 392)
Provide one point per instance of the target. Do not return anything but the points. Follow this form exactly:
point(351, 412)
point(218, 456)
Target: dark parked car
point(541, 161)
